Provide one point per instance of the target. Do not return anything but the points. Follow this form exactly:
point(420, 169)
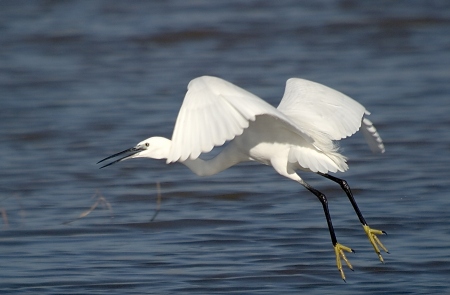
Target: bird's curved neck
point(227, 158)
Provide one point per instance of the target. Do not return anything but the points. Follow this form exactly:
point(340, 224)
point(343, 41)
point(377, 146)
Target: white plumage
point(215, 111)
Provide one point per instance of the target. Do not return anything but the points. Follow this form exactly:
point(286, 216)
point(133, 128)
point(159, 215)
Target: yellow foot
point(339, 251)
point(371, 234)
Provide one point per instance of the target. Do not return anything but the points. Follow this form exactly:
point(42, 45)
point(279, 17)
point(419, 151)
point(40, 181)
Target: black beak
point(130, 152)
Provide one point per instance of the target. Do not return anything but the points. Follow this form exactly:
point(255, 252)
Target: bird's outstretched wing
point(318, 108)
point(319, 111)
point(214, 111)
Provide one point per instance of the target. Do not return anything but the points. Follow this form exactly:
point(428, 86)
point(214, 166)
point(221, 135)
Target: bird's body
point(262, 142)
point(297, 135)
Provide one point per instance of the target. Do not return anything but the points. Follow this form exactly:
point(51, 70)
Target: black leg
point(338, 248)
point(323, 200)
point(371, 233)
point(344, 185)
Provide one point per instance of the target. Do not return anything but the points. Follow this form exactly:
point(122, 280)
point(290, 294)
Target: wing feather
point(326, 114)
point(316, 108)
point(214, 111)
point(372, 137)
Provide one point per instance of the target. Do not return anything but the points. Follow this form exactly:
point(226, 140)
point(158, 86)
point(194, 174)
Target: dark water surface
point(80, 80)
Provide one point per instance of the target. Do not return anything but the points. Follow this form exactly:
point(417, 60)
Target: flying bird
point(298, 135)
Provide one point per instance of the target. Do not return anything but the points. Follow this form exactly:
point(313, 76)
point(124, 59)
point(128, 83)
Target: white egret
point(297, 135)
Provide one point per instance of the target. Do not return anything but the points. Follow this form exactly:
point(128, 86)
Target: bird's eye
point(147, 144)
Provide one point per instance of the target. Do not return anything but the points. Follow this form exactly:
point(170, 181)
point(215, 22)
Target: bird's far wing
point(319, 110)
point(371, 135)
point(214, 111)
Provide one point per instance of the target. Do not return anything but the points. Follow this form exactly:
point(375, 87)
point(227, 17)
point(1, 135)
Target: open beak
point(131, 152)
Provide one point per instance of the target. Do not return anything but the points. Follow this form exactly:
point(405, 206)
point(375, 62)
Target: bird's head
point(153, 147)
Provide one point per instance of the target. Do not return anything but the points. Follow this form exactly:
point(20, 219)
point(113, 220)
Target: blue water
point(80, 80)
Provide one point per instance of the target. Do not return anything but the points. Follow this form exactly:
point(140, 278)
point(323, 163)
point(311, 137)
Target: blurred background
point(80, 80)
